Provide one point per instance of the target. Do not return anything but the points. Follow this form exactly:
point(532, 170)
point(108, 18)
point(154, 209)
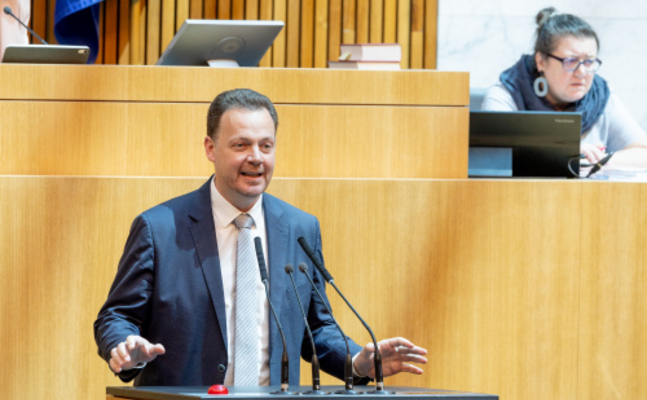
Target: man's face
point(243, 154)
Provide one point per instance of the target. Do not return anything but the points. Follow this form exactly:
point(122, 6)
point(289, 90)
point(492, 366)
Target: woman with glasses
point(561, 76)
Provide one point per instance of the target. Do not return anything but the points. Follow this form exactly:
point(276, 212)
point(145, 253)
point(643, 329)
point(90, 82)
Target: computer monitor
point(199, 41)
point(46, 54)
point(524, 144)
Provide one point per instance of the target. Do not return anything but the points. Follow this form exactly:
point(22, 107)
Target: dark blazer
point(168, 289)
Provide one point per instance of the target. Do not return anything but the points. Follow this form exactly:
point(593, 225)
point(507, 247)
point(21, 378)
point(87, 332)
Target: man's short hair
point(245, 99)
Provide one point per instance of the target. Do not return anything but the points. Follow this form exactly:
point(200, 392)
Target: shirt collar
point(225, 212)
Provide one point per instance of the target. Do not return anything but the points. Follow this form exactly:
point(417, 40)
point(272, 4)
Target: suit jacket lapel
point(203, 232)
point(277, 247)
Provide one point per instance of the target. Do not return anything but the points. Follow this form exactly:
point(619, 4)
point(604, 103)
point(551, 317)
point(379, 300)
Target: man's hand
point(397, 354)
point(133, 351)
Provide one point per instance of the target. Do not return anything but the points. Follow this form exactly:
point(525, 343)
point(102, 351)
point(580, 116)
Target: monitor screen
point(201, 40)
point(524, 144)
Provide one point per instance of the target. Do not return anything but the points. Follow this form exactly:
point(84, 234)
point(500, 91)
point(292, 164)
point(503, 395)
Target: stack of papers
point(621, 174)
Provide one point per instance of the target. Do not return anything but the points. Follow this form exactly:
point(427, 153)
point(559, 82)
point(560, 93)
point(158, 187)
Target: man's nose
point(255, 155)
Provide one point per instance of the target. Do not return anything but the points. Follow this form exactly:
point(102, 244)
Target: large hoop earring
point(540, 86)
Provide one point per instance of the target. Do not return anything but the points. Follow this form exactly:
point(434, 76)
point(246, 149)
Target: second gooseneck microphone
point(285, 369)
point(348, 366)
point(377, 359)
point(316, 381)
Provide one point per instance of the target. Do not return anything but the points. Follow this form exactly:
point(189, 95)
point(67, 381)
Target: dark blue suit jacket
point(168, 289)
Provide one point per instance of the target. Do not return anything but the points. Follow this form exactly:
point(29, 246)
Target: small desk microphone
point(7, 10)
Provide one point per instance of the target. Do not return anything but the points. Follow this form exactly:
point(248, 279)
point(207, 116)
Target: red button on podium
point(218, 389)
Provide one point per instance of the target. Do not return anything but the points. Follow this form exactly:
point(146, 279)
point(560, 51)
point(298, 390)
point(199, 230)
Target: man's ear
point(210, 148)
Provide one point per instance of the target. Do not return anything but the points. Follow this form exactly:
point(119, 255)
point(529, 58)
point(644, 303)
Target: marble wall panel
point(485, 37)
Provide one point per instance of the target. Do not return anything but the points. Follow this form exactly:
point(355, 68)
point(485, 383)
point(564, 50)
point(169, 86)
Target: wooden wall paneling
point(181, 13)
point(321, 34)
point(362, 21)
point(251, 9)
point(293, 25)
point(357, 137)
point(61, 241)
point(71, 82)
point(209, 9)
point(473, 279)
point(491, 268)
point(417, 38)
point(196, 10)
point(38, 20)
point(101, 27)
point(380, 137)
point(167, 28)
point(50, 37)
point(252, 12)
point(279, 53)
point(138, 42)
point(506, 285)
point(138, 32)
point(334, 29)
point(613, 324)
point(430, 34)
point(238, 9)
point(265, 13)
point(390, 21)
point(306, 50)
point(110, 31)
point(224, 9)
point(153, 31)
point(520, 285)
point(117, 129)
point(348, 22)
point(124, 32)
point(404, 31)
point(376, 22)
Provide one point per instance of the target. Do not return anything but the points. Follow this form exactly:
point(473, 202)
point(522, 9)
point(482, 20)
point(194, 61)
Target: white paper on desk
point(621, 174)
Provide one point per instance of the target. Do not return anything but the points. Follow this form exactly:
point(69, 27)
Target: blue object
point(76, 22)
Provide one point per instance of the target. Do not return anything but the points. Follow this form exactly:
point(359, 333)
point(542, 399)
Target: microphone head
point(7, 10)
point(289, 268)
point(303, 267)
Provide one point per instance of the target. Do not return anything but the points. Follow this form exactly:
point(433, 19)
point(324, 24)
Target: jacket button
point(221, 368)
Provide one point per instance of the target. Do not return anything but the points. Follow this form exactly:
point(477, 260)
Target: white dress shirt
point(224, 214)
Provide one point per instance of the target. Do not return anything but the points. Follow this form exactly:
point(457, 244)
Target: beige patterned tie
point(246, 346)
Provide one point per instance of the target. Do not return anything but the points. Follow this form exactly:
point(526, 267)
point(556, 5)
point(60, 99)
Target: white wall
point(485, 37)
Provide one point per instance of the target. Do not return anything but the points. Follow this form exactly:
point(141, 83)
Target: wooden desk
point(151, 121)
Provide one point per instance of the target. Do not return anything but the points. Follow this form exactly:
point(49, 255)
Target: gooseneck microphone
point(316, 381)
point(7, 10)
point(348, 366)
point(377, 358)
point(285, 368)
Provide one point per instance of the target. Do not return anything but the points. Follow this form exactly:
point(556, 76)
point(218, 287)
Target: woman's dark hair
point(552, 26)
point(245, 99)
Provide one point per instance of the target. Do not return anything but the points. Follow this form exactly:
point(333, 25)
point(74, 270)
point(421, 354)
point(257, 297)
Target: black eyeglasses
point(571, 64)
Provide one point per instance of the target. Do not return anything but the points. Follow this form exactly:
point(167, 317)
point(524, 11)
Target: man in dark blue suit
point(175, 291)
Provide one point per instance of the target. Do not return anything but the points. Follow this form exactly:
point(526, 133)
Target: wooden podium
point(269, 393)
